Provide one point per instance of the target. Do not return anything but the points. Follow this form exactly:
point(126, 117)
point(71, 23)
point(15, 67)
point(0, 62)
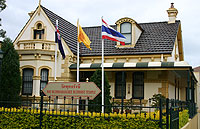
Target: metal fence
point(164, 109)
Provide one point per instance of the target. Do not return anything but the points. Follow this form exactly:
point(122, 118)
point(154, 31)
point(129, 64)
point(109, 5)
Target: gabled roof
point(67, 30)
point(157, 38)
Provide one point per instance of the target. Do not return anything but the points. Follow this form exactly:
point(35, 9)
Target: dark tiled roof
point(67, 30)
point(157, 38)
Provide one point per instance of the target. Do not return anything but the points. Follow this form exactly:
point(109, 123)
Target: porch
point(174, 80)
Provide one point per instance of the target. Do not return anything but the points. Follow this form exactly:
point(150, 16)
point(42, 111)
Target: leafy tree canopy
point(97, 78)
point(10, 73)
point(2, 7)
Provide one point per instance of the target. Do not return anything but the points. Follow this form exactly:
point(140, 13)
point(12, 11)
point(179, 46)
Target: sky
point(89, 13)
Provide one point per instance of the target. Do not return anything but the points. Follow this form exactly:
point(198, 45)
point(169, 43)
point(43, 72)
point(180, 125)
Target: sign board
point(72, 89)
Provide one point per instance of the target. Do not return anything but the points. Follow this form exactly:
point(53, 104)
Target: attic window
point(126, 31)
point(39, 26)
point(39, 32)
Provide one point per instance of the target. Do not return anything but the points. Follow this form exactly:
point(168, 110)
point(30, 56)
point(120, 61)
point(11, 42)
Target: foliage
point(97, 79)
point(183, 118)
point(156, 100)
point(2, 7)
point(10, 76)
point(28, 119)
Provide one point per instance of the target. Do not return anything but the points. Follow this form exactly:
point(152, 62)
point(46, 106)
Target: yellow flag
point(82, 37)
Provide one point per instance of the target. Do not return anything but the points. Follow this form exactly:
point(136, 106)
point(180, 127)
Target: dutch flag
point(111, 34)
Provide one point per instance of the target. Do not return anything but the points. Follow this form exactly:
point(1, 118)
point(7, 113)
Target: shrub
point(10, 84)
point(97, 102)
point(156, 100)
point(183, 118)
point(23, 118)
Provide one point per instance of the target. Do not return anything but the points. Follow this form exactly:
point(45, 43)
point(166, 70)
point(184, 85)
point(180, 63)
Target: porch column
point(122, 90)
point(188, 86)
point(192, 90)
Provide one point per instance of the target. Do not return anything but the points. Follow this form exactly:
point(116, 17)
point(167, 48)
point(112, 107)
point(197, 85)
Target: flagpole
point(77, 62)
point(55, 55)
point(102, 66)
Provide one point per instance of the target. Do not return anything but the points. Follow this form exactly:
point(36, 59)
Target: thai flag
point(58, 40)
point(111, 34)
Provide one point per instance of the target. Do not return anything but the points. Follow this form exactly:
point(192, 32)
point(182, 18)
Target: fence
point(163, 109)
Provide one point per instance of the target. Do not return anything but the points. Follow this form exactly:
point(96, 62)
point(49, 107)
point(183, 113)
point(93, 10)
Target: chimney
point(172, 13)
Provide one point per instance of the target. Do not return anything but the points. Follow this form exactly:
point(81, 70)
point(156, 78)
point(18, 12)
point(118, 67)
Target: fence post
point(41, 109)
point(86, 106)
point(72, 103)
point(160, 108)
point(122, 92)
point(167, 113)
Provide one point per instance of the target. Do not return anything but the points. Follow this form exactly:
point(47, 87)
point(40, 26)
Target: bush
point(10, 85)
point(97, 102)
point(25, 118)
point(156, 100)
point(183, 118)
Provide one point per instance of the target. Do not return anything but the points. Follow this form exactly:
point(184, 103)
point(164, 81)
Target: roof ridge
point(56, 14)
point(157, 22)
point(66, 28)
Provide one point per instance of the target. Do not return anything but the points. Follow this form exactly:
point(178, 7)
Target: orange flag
point(82, 37)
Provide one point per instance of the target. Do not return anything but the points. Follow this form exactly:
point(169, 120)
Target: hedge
point(30, 120)
point(23, 118)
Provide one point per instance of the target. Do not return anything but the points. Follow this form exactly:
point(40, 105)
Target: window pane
point(138, 85)
point(126, 27)
point(44, 78)
point(118, 85)
point(27, 81)
point(39, 34)
point(43, 85)
point(128, 38)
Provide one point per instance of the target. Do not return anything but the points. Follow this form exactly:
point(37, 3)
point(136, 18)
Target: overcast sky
point(89, 12)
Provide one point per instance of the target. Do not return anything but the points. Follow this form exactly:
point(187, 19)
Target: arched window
point(44, 78)
point(39, 32)
point(27, 86)
point(126, 28)
point(138, 85)
point(39, 26)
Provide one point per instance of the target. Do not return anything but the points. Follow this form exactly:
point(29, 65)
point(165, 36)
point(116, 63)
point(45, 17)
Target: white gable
point(49, 30)
point(27, 33)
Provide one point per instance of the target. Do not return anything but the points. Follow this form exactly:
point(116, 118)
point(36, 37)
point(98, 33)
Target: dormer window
point(126, 28)
point(131, 30)
point(39, 31)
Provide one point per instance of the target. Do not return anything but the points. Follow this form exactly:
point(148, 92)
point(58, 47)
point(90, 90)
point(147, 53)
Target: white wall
point(27, 35)
point(171, 91)
point(137, 33)
point(150, 89)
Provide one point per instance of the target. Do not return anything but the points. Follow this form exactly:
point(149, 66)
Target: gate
point(174, 117)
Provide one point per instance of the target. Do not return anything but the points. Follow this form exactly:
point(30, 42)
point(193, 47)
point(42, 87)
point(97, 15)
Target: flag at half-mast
point(58, 40)
point(82, 37)
point(111, 34)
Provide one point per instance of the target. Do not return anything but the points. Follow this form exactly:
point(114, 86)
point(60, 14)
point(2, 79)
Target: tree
point(10, 86)
point(2, 7)
point(97, 78)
